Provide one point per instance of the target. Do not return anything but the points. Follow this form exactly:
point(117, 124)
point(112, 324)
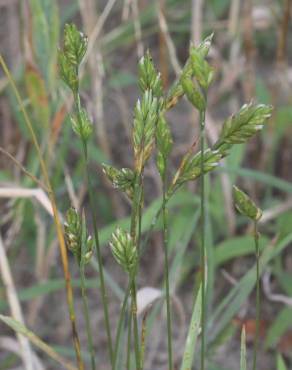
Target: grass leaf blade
point(21, 329)
point(193, 333)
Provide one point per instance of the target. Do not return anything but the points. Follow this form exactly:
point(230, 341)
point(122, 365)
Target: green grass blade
point(280, 363)
point(230, 305)
point(243, 350)
point(236, 247)
point(21, 329)
point(193, 333)
point(264, 178)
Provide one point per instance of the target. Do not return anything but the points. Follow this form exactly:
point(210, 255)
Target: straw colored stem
point(59, 229)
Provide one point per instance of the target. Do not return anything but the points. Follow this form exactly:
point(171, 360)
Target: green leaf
point(243, 350)
point(280, 325)
point(45, 36)
point(230, 305)
point(280, 363)
point(193, 333)
point(245, 205)
point(145, 120)
point(122, 179)
point(149, 78)
point(21, 329)
point(236, 247)
point(243, 125)
point(124, 250)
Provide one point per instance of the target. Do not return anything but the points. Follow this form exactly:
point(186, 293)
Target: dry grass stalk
point(15, 308)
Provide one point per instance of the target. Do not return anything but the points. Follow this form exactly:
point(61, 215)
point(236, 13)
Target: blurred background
point(251, 55)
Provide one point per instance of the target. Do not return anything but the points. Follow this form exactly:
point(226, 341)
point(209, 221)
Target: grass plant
point(151, 135)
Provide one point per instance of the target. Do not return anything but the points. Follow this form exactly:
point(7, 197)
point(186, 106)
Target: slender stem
point(203, 250)
point(120, 324)
point(257, 252)
point(60, 235)
point(166, 274)
point(96, 236)
point(135, 322)
point(136, 221)
point(128, 364)
point(143, 338)
point(99, 257)
point(86, 315)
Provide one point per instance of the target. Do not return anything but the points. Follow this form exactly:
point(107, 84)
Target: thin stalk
point(166, 277)
point(203, 249)
point(136, 221)
point(99, 258)
point(96, 238)
point(143, 338)
point(128, 363)
point(58, 225)
point(135, 324)
point(257, 252)
point(120, 324)
point(86, 315)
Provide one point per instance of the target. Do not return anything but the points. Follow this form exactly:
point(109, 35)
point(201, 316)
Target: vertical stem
point(128, 364)
point(135, 327)
point(136, 221)
point(257, 252)
point(57, 221)
point(119, 328)
point(203, 250)
point(166, 273)
point(99, 258)
point(86, 315)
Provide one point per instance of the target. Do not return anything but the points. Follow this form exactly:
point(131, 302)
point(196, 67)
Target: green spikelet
point(245, 205)
point(122, 179)
point(124, 250)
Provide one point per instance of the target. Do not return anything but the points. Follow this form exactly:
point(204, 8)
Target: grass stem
point(99, 257)
point(166, 277)
point(128, 363)
point(58, 225)
point(257, 252)
point(120, 324)
point(86, 316)
point(203, 250)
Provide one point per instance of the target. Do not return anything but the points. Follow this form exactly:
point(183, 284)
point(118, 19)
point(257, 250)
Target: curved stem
point(203, 249)
point(257, 252)
point(57, 221)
